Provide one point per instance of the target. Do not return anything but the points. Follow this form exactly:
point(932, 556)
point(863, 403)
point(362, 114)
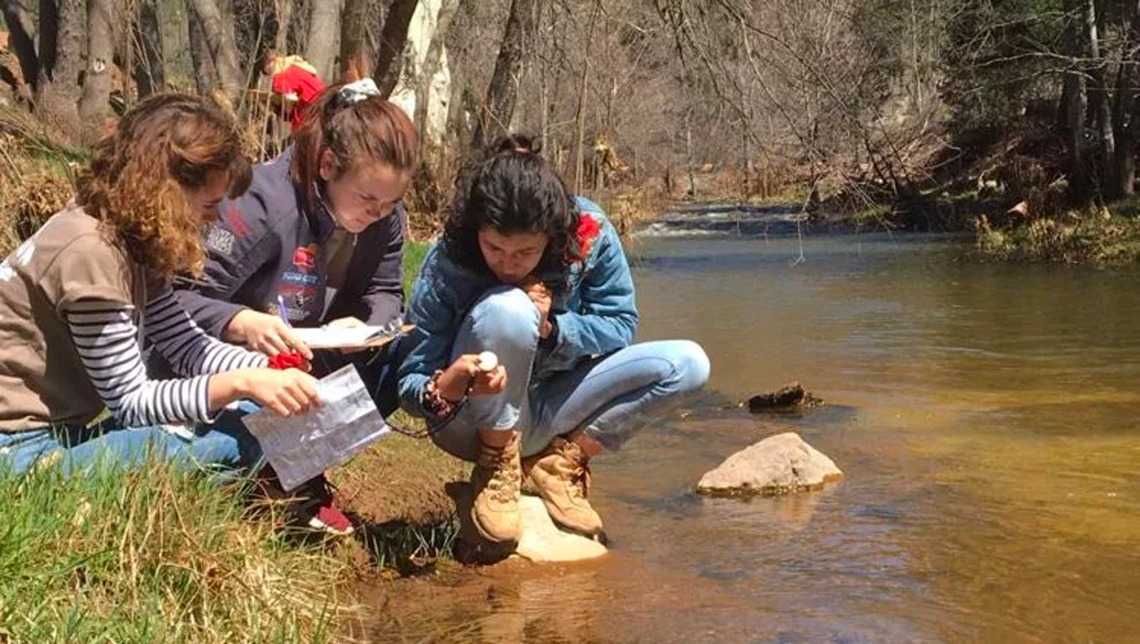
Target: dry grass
point(35, 172)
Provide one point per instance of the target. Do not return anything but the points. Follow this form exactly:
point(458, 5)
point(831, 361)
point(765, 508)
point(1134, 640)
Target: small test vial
point(488, 361)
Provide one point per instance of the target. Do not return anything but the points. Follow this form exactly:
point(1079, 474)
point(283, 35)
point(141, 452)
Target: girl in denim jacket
point(539, 278)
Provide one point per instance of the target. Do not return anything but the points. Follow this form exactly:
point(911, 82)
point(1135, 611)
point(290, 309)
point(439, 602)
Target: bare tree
point(219, 36)
point(94, 102)
point(324, 32)
point(354, 27)
point(580, 112)
point(432, 59)
point(21, 31)
point(205, 76)
point(393, 38)
point(499, 104)
point(283, 10)
point(150, 65)
point(62, 32)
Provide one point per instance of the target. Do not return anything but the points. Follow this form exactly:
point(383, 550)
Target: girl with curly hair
point(537, 277)
point(82, 297)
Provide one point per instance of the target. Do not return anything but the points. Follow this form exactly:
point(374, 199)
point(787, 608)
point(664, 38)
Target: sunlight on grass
point(153, 555)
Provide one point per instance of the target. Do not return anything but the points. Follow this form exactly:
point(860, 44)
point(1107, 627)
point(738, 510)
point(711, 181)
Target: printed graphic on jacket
point(305, 258)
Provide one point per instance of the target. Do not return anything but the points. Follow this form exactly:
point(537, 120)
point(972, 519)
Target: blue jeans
point(224, 447)
point(612, 397)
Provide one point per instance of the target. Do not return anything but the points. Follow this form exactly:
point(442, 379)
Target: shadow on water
point(984, 416)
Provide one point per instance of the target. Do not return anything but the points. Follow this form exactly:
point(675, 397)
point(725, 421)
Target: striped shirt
point(107, 339)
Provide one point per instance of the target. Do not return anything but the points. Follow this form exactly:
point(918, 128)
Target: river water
point(985, 416)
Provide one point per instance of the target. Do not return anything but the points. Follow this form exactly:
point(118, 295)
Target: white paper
point(328, 337)
point(301, 447)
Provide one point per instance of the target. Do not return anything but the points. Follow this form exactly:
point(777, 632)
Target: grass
point(157, 555)
point(153, 555)
point(1093, 236)
point(414, 253)
point(397, 486)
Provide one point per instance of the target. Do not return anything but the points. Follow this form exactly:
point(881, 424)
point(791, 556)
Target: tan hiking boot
point(560, 475)
point(495, 483)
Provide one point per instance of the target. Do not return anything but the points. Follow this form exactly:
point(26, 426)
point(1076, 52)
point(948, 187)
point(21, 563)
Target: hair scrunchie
point(357, 91)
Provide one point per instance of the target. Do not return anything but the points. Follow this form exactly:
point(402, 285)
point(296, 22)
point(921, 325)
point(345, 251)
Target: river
point(985, 417)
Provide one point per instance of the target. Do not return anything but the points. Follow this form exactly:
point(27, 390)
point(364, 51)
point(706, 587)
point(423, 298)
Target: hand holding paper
point(301, 447)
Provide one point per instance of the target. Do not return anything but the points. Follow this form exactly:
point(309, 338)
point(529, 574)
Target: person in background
point(295, 85)
point(82, 297)
point(538, 277)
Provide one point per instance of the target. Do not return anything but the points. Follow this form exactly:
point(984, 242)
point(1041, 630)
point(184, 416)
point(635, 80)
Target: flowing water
point(985, 416)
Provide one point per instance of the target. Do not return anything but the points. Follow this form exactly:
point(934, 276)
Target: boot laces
point(580, 481)
point(504, 479)
point(580, 477)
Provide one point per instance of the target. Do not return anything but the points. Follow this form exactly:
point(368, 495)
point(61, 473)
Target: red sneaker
point(312, 504)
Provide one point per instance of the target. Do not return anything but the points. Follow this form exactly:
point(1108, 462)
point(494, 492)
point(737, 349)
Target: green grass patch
point(414, 253)
point(1092, 236)
point(153, 556)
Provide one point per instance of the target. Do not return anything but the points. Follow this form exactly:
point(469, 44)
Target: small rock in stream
point(789, 398)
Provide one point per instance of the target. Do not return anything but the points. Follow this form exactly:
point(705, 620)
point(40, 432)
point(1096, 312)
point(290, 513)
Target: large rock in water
point(542, 541)
point(776, 465)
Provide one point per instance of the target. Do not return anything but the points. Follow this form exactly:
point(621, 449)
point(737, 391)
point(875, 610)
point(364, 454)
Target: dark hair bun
point(517, 143)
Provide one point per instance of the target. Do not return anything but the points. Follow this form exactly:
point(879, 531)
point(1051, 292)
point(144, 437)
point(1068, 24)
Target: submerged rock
point(779, 464)
point(542, 541)
point(789, 398)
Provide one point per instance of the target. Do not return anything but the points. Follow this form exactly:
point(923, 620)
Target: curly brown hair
point(134, 182)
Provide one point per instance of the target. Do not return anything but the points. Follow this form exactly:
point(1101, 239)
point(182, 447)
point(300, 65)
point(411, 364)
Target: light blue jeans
point(224, 447)
point(612, 397)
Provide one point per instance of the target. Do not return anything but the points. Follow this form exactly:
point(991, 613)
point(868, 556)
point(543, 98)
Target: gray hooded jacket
point(266, 249)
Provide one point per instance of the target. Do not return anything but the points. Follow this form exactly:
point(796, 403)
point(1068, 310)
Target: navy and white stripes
point(107, 340)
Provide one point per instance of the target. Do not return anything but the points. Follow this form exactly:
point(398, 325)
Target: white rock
point(542, 541)
point(776, 465)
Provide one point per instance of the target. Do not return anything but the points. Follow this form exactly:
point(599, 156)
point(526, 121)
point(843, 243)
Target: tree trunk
point(354, 28)
point(21, 29)
point(393, 37)
point(62, 31)
point(543, 80)
point(1075, 106)
point(690, 159)
point(499, 106)
point(432, 59)
point(324, 29)
point(1125, 116)
point(150, 67)
point(94, 104)
point(1099, 108)
point(580, 112)
point(284, 14)
point(219, 36)
point(580, 126)
point(205, 76)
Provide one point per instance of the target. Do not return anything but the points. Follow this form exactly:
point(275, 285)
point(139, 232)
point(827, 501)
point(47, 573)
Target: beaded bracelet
point(434, 403)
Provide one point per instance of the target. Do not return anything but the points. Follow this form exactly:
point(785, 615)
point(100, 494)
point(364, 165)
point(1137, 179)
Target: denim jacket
point(595, 316)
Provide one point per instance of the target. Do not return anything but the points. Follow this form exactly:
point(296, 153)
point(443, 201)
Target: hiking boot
point(312, 504)
point(560, 475)
point(495, 484)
